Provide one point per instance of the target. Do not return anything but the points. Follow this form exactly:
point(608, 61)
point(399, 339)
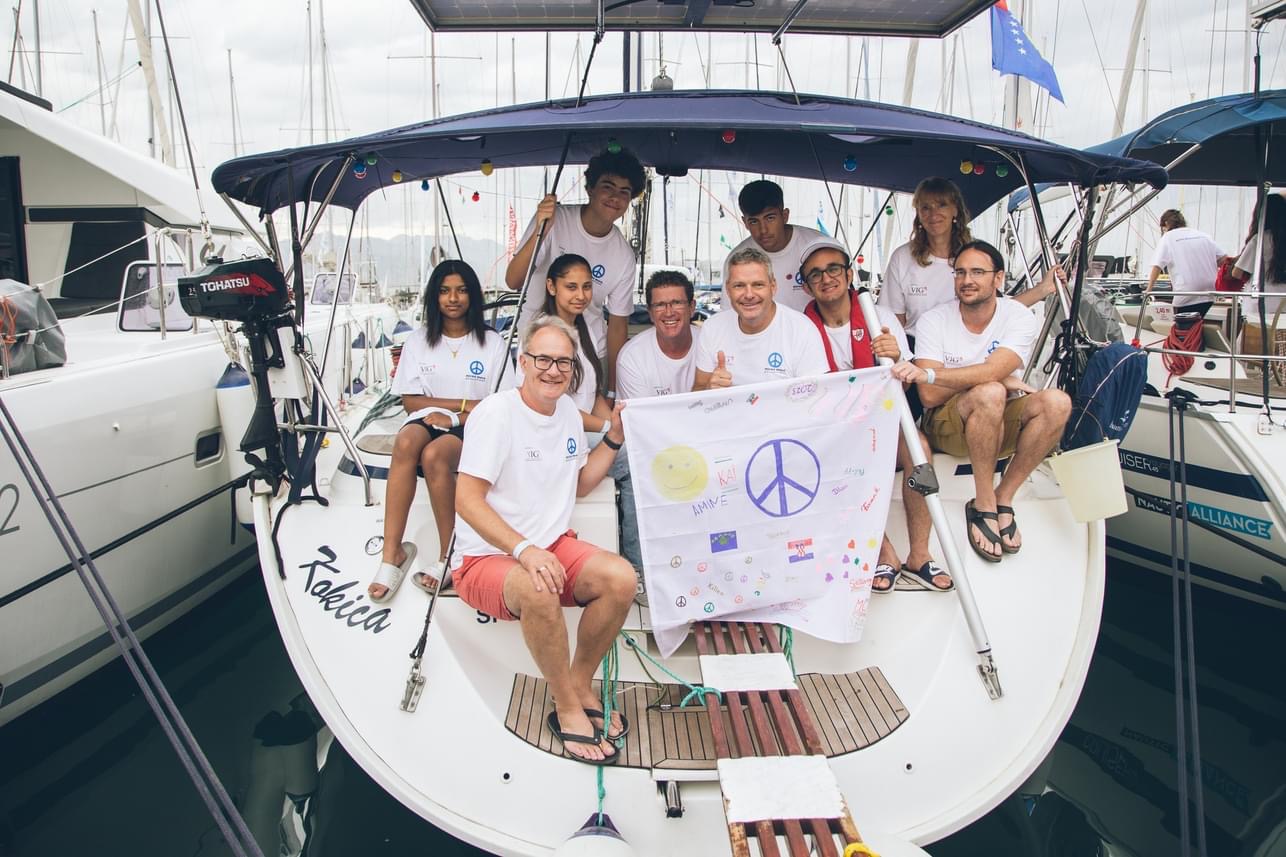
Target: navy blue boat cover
point(822, 137)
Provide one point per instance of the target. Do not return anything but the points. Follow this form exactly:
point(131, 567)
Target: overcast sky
point(378, 78)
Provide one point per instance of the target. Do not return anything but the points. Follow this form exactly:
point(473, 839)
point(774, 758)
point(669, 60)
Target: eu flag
point(1013, 53)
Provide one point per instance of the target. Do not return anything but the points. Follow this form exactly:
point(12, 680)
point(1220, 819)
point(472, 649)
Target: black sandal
point(571, 738)
point(974, 518)
point(1009, 530)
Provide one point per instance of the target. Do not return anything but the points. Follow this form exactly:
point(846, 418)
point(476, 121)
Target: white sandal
point(390, 576)
point(431, 578)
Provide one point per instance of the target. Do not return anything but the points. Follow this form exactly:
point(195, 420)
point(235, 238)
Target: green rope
point(788, 646)
point(611, 669)
point(695, 691)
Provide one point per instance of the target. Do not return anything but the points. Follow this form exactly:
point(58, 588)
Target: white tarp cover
point(765, 502)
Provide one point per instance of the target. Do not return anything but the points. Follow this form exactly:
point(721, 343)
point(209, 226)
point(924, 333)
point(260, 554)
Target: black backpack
point(1107, 396)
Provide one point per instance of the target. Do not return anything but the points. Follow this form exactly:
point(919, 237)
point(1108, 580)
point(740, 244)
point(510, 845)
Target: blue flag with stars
point(1013, 53)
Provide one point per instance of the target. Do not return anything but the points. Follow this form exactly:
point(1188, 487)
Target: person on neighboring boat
point(525, 462)
point(968, 366)
point(612, 179)
point(763, 211)
point(828, 277)
point(760, 340)
point(657, 362)
point(918, 276)
point(569, 290)
point(447, 367)
point(1274, 264)
point(1192, 258)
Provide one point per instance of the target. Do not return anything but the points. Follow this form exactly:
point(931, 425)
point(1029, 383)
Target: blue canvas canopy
point(821, 137)
point(1222, 130)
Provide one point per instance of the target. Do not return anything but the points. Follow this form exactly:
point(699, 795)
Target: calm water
point(89, 772)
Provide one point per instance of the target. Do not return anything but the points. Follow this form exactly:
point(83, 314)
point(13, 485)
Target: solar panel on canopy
point(856, 17)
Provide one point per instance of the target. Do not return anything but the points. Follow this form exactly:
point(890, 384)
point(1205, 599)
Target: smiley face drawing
point(680, 473)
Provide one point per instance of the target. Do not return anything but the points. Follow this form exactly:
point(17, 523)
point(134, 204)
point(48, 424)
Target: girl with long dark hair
point(447, 366)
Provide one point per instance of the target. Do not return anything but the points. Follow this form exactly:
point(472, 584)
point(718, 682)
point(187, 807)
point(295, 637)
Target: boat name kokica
point(335, 600)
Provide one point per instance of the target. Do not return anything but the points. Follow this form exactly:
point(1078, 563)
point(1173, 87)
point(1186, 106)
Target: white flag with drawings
point(765, 502)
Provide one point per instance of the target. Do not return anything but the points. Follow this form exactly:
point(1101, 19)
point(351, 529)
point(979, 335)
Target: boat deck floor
point(852, 711)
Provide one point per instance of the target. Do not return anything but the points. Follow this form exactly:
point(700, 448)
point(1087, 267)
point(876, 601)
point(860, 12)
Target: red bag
point(1225, 281)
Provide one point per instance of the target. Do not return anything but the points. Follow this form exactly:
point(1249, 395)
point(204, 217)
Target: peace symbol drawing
point(782, 477)
point(571, 446)
point(476, 367)
point(598, 272)
point(775, 360)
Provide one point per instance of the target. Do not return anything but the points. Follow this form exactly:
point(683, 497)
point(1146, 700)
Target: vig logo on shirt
point(571, 448)
point(775, 360)
point(476, 368)
point(599, 272)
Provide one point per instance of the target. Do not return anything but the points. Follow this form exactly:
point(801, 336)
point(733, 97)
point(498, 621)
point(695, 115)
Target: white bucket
point(1091, 481)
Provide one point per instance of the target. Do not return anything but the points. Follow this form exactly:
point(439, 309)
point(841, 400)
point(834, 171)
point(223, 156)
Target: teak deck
point(828, 714)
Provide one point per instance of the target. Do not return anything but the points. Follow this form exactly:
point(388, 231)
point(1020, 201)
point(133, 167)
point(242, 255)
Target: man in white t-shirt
point(523, 465)
point(760, 340)
point(969, 359)
point(1192, 258)
point(657, 362)
point(763, 211)
point(836, 313)
point(612, 179)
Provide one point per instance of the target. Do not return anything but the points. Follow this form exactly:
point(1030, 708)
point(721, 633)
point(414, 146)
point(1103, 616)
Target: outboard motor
point(252, 292)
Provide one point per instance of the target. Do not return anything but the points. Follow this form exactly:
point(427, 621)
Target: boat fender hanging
point(235, 399)
point(596, 838)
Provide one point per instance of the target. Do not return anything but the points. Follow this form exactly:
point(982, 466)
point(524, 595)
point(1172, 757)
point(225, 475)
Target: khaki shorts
point(946, 432)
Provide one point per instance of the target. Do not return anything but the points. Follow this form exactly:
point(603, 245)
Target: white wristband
point(519, 548)
point(455, 420)
point(607, 426)
point(931, 378)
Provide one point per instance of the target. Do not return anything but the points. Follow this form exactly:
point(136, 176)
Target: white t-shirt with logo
point(913, 289)
point(532, 462)
point(788, 348)
point(642, 370)
point(785, 265)
point(453, 369)
point(611, 262)
point(841, 338)
point(943, 337)
point(587, 393)
point(1192, 260)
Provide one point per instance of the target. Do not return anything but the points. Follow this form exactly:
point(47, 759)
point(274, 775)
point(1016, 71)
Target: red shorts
point(480, 580)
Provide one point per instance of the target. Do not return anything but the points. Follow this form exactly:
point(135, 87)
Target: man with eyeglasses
point(657, 362)
point(968, 367)
point(837, 314)
point(612, 180)
point(524, 463)
point(760, 340)
point(765, 216)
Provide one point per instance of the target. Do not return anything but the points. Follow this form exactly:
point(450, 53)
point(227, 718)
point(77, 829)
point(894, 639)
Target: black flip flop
point(974, 518)
point(625, 723)
point(569, 738)
point(923, 577)
point(1010, 530)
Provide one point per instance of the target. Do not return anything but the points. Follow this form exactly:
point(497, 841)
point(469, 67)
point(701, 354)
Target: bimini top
point(822, 137)
point(854, 17)
point(1222, 130)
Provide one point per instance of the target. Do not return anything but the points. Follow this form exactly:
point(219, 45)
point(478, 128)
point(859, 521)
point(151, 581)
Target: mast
point(98, 67)
point(1017, 91)
point(156, 116)
point(1127, 74)
point(40, 74)
point(232, 104)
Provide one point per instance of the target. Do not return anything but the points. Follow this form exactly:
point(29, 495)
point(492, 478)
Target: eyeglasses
point(544, 362)
point(835, 269)
point(662, 306)
point(972, 273)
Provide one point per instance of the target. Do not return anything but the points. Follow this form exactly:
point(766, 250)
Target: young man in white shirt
point(759, 340)
point(523, 465)
point(968, 366)
point(837, 315)
point(1192, 258)
point(658, 362)
point(612, 179)
point(763, 211)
